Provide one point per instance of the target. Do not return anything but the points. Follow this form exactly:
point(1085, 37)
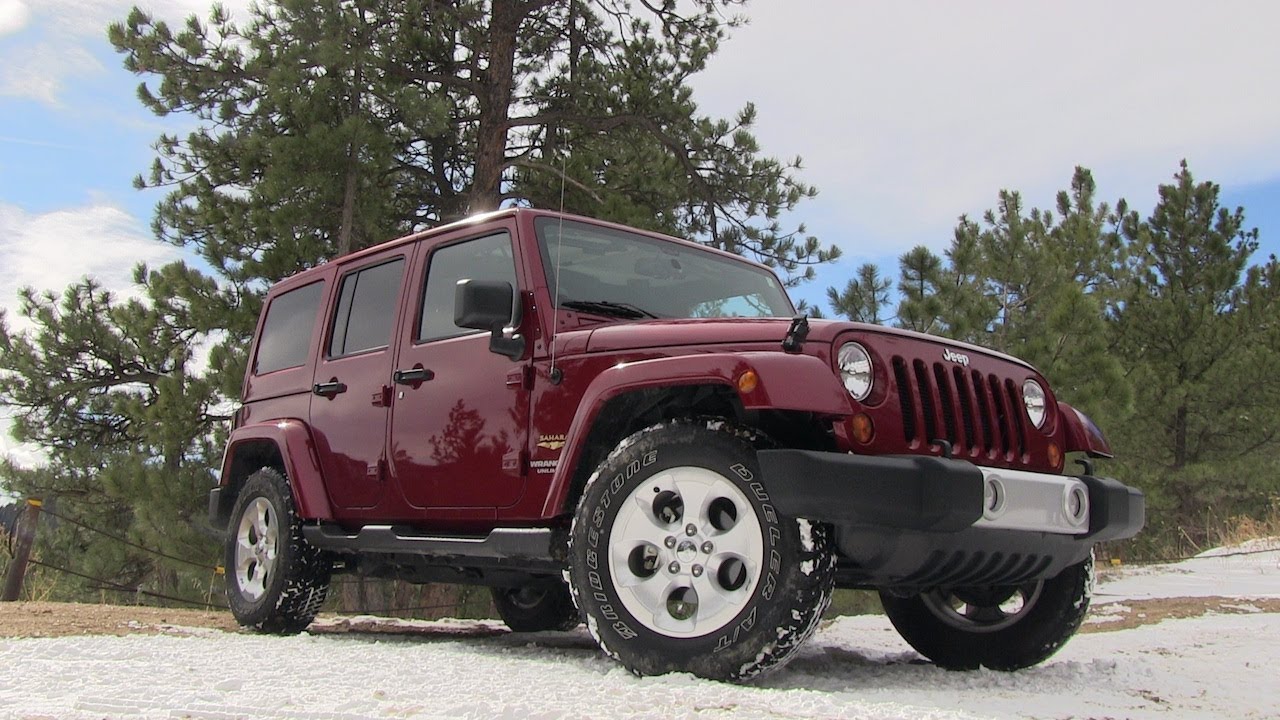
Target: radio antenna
point(555, 374)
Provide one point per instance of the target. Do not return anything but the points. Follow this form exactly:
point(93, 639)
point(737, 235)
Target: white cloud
point(38, 72)
point(52, 250)
point(71, 28)
point(13, 16)
point(91, 17)
point(908, 114)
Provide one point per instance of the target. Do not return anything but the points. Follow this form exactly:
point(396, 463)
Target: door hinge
point(521, 377)
point(516, 462)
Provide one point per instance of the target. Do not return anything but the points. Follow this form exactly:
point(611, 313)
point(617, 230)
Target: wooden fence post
point(25, 534)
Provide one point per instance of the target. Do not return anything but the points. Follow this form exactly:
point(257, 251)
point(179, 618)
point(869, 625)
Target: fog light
point(748, 381)
point(863, 429)
point(993, 498)
point(1076, 505)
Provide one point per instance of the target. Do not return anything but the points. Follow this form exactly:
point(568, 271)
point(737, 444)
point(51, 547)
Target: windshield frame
point(761, 280)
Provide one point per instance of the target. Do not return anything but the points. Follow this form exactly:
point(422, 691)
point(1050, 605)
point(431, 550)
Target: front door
point(460, 413)
point(351, 391)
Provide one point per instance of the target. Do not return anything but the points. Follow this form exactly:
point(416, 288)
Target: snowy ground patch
point(1217, 666)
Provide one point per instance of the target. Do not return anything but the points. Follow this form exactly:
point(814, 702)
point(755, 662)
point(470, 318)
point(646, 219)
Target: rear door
point(351, 387)
point(460, 413)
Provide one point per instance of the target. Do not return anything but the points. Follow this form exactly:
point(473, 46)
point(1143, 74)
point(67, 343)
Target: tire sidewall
point(743, 639)
point(1045, 628)
point(267, 485)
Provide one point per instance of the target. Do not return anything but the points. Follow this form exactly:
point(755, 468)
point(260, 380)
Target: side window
point(366, 309)
point(486, 258)
point(286, 333)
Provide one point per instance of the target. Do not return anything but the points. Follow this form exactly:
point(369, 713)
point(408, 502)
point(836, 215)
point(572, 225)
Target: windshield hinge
point(796, 334)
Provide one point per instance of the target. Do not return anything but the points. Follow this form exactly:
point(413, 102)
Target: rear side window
point(286, 333)
point(366, 309)
point(486, 258)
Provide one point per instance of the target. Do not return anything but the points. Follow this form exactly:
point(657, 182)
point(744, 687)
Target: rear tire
point(1001, 628)
point(538, 605)
point(276, 580)
point(680, 562)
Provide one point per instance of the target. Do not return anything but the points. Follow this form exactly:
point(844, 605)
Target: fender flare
point(1079, 433)
point(292, 439)
point(786, 382)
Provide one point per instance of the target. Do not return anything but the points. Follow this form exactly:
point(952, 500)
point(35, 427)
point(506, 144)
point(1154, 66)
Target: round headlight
point(855, 370)
point(1033, 399)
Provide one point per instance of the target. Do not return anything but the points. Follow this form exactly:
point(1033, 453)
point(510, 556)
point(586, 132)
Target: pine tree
point(919, 282)
point(324, 127)
point(1197, 330)
point(864, 298)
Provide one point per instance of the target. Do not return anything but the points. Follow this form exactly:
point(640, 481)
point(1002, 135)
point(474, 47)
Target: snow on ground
point(1251, 569)
point(1217, 666)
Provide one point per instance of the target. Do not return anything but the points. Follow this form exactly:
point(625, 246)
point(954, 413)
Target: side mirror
point(490, 305)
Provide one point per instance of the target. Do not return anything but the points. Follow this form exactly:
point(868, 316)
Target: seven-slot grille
point(980, 415)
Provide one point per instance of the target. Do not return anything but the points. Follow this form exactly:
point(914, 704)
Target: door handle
point(414, 375)
point(329, 389)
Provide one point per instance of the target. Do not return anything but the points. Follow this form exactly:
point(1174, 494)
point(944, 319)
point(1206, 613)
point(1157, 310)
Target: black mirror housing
point(490, 305)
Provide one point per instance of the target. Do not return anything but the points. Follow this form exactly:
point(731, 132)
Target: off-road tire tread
point(1049, 624)
point(783, 627)
point(301, 583)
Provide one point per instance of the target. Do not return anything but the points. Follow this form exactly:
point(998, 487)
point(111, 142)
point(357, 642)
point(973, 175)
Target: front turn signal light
point(748, 381)
point(1055, 455)
point(864, 431)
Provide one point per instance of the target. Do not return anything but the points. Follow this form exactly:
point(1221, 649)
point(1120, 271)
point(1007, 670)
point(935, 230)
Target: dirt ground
point(51, 619)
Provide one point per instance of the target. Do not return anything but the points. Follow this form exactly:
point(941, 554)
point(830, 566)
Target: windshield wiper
point(605, 307)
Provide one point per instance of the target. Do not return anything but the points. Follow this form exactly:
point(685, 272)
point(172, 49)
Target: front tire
point(681, 563)
point(1001, 628)
point(276, 580)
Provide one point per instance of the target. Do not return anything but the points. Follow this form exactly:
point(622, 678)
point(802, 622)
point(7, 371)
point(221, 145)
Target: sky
point(907, 115)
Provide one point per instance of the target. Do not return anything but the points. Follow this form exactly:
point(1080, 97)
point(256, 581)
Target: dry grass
point(1243, 528)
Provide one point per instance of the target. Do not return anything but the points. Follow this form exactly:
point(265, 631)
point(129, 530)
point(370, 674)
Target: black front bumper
point(916, 520)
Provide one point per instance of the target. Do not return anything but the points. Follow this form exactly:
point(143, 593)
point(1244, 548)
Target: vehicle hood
point(645, 334)
point(696, 331)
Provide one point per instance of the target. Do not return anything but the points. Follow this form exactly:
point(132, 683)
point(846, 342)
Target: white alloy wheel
point(685, 552)
point(257, 541)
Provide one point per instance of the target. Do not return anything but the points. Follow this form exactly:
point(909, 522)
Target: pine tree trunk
point(495, 100)
point(1180, 438)
point(345, 230)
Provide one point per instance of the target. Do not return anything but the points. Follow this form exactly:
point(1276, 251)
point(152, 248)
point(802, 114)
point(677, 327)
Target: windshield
point(621, 274)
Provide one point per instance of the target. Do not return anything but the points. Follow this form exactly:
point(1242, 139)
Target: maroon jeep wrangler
point(620, 427)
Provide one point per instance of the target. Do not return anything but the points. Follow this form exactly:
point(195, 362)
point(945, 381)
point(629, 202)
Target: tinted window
point(366, 309)
point(286, 333)
point(488, 258)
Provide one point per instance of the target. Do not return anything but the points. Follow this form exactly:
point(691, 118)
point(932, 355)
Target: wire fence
point(358, 602)
point(349, 595)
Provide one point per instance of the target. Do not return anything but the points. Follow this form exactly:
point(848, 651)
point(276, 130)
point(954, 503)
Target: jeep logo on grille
point(955, 357)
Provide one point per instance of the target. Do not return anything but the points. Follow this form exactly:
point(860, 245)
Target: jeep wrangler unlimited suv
point(611, 425)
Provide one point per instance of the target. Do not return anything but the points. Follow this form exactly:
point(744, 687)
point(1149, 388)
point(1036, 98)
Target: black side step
point(528, 548)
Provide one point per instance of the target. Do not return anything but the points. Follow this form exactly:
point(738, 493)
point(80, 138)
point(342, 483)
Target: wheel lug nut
point(707, 547)
point(690, 529)
point(674, 567)
point(670, 541)
point(697, 571)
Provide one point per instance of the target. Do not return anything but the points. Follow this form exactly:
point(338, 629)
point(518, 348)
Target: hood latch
point(796, 334)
